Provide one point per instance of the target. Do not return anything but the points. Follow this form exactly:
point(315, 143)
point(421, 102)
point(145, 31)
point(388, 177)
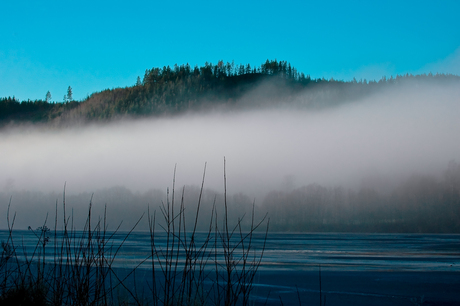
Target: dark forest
point(179, 89)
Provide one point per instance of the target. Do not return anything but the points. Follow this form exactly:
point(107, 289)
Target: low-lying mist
point(378, 141)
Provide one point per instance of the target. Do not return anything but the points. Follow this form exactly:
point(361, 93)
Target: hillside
point(170, 91)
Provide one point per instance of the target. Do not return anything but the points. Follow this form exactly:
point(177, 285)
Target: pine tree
point(146, 77)
point(48, 97)
point(69, 94)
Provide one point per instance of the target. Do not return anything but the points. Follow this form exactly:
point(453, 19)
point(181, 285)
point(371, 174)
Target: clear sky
point(94, 45)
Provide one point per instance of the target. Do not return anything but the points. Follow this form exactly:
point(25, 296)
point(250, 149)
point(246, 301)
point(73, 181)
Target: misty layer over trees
point(316, 155)
point(420, 204)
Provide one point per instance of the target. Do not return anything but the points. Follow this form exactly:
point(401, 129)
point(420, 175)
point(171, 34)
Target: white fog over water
point(391, 134)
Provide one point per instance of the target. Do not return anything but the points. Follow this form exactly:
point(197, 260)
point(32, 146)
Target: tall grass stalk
point(78, 272)
point(216, 267)
point(219, 270)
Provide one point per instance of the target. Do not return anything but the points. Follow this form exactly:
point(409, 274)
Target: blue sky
point(94, 45)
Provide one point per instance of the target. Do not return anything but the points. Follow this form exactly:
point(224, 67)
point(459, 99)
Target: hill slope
point(223, 86)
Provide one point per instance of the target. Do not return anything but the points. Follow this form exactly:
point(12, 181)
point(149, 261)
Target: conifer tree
point(48, 97)
point(69, 94)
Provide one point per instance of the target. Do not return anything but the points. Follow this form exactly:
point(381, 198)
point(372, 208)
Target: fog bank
point(391, 135)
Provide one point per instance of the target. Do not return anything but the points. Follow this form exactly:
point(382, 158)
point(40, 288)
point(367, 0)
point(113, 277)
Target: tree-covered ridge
point(183, 88)
point(172, 90)
point(13, 110)
point(419, 204)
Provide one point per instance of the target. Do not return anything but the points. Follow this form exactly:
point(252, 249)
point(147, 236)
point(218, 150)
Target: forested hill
point(223, 86)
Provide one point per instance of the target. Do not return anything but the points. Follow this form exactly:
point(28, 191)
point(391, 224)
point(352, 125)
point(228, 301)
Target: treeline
point(32, 208)
point(421, 204)
point(172, 90)
point(15, 111)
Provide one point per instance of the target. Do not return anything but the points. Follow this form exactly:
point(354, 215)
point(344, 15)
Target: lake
point(347, 268)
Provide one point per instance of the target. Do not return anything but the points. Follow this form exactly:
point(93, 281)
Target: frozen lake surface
point(343, 251)
point(356, 269)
